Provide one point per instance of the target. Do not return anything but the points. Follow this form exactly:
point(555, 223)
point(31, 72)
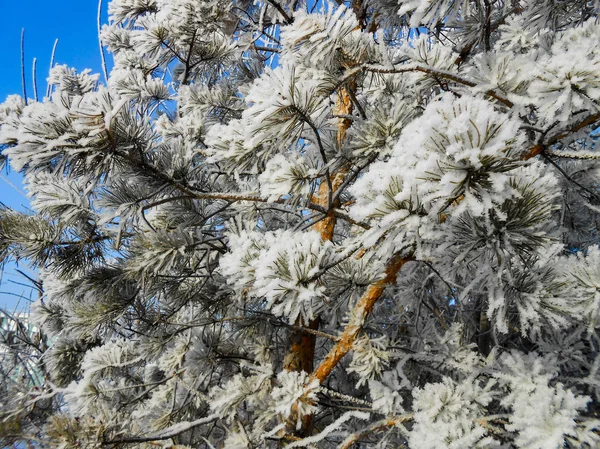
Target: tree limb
point(375, 427)
point(167, 433)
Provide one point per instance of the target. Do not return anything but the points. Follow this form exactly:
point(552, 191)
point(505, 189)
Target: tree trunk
point(301, 353)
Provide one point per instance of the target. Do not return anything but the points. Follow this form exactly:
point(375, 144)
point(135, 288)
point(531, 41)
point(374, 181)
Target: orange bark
point(361, 311)
point(326, 226)
point(343, 106)
point(539, 148)
point(302, 348)
point(301, 354)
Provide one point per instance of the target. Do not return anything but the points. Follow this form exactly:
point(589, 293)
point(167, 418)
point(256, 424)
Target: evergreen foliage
point(291, 224)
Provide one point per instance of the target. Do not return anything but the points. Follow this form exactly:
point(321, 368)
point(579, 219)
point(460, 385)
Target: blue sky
point(74, 24)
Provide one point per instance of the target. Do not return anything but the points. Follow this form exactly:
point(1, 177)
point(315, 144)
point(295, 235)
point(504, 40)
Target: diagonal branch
point(573, 127)
point(169, 432)
point(280, 10)
point(361, 311)
point(440, 74)
point(375, 427)
point(590, 195)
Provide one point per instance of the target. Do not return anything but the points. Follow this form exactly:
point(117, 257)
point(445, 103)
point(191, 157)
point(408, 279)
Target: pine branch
point(361, 311)
point(233, 197)
point(375, 427)
point(572, 127)
point(438, 73)
point(169, 432)
point(186, 72)
point(280, 10)
point(345, 256)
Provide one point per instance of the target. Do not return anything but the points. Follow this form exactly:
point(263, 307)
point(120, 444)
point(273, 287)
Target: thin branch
point(375, 427)
point(570, 178)
point(349, 179)
point(345, 256)
point(438, 73)
point(312, 126)
point(102, 56)
point(329, 429)
point(268, 49)
point(165, 200)
point(36, 283)
point(438, 274)
point(356, 103)
point(280, 10)
point(49, 87)
point(169, 432)
point(573, 127)
point(34, 79)
point(308, 330)
point(306, 222)
point(186, 73)
point(240, 196)
point(23, 83)
point(344, 216)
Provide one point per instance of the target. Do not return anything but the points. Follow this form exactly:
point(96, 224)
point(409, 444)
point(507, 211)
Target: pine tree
point(330, 224)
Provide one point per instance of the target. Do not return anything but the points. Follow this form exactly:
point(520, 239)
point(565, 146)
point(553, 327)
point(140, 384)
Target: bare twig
point(102, 56)
point(34, 79)
point(23, 83)
point(52, 56)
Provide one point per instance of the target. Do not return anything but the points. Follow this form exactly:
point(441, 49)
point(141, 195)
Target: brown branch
point(301, 354)
point(361, 311)
point(233, 197)
point(441, 74)
point(554, 138)
point(375, 427)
